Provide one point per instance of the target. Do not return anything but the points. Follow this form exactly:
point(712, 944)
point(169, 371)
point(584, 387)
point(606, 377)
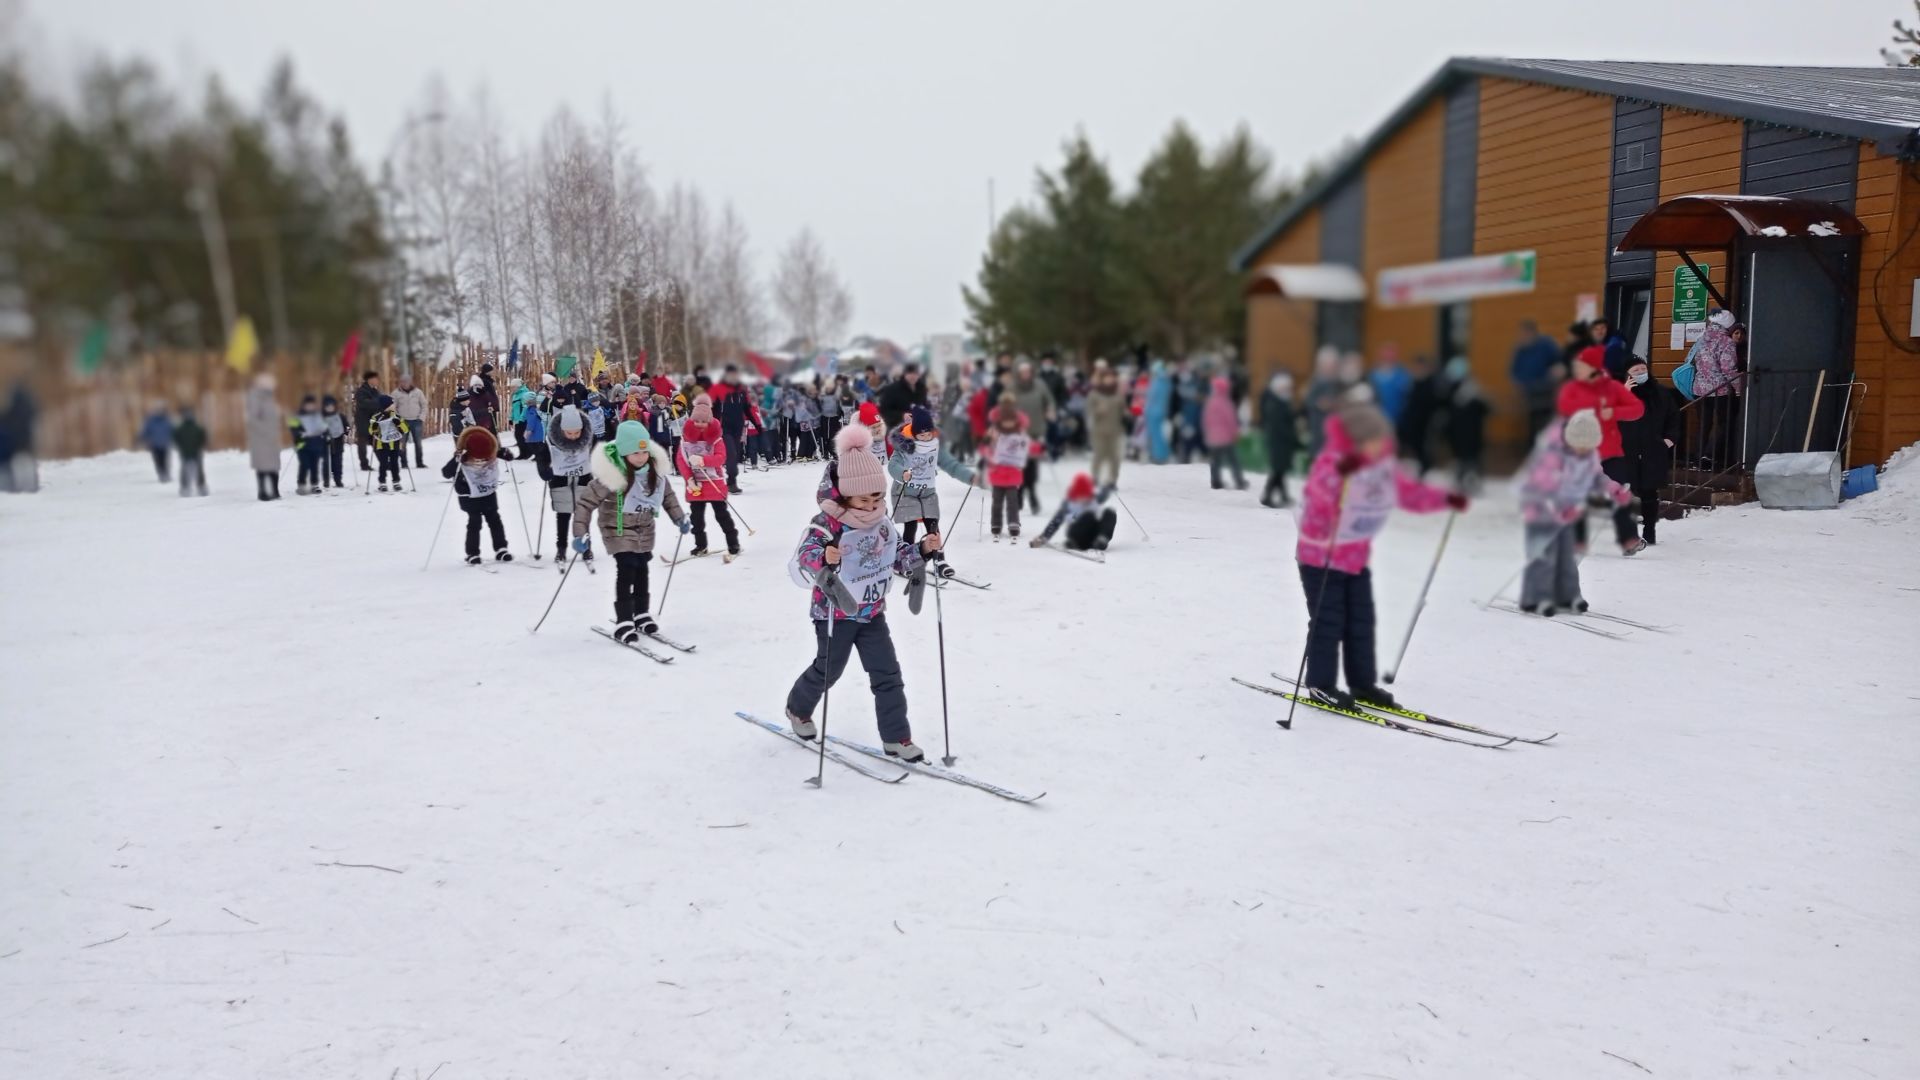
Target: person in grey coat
point(265, 423)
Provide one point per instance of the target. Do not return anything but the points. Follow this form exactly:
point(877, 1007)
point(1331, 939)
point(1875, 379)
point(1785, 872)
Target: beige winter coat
point(621, 531)
point(1104, 412)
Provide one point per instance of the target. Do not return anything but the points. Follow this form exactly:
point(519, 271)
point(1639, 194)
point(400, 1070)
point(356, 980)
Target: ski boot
point(1542, 609)
point(645, 624)
point(905, 751)
point(503, 555)
point(1578, 607)
point(473, 560)
point(383, 488)
point(699, 552)
point(733, 552)
point(1331, 697)
point(802, 726)
point(941, 569)
point(1375, 696)
point(624, 632)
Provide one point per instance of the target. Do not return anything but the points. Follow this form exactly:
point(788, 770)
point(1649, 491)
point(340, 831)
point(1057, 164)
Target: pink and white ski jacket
point(1349, 524)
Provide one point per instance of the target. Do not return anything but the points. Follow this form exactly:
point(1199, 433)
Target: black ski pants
point(1091, 530)
point(484, 509)
point(159, 461)
point(1342, 624)
point(630, 584)
point(720, 514)
point(875, 644)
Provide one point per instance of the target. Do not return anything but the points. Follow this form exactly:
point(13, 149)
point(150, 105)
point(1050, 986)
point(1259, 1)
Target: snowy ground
point(211, 704)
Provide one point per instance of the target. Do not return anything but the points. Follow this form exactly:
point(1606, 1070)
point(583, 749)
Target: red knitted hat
point(1081, 488)
point(869, 413)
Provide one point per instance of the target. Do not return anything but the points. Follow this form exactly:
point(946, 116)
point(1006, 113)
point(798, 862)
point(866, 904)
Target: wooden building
point(1507, 190)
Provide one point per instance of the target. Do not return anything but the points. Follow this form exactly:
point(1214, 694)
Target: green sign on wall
point(1690, 294)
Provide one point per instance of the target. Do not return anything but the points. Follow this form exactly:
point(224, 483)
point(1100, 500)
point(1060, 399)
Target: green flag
point(564, 366)
point(93, 349)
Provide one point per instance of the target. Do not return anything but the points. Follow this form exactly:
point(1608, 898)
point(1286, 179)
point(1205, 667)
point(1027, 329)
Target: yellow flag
point(242, 344)
point(599, 365)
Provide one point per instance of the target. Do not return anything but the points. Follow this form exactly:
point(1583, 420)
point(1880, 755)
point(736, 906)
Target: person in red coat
point(1592, 388)
point(702, 460)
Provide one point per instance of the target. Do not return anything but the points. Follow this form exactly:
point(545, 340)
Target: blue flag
point(513, 355)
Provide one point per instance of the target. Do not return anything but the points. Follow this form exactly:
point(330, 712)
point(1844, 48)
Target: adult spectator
point(1538, 371)
point(486, 399)
point(1612, 402)
point(156, 434)
point(1392, 384)
point(366, 402)
point(1106, 424)
point(898, 397)
point(1717, 386)
point(1615, 356)
point(731, 406)
point(1647, 445)
point(1035, 401)
point(265, 425)
point(409, 404)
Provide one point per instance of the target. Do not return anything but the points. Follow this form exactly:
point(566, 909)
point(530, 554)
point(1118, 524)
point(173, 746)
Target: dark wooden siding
point(1776, 161)
point(1342, 240)
point(1636, 183)
point(1459, 165)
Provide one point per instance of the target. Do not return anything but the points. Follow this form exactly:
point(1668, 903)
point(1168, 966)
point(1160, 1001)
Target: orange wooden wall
point(1887, 202)
point(1280, 332)
point(1544, 174)
point(1402, 228)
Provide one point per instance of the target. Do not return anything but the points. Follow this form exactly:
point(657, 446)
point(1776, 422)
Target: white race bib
point(389, 430)
point(1010, 450)
point(482, 480)
point(638, 501)
point(866, 562)
point(570, 462)
point(1371, 496)
point(922, 462)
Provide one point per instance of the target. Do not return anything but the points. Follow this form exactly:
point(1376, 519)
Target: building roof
point(1879, 105)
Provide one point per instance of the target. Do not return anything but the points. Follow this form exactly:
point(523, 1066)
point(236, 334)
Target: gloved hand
point(1349, 464)
point(685, 526)
point(1038, 541)
point(1457, 501)
point(582, 545)
point(696, 460)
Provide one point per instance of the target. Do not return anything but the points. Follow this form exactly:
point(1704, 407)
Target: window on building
point(1456, 325)
point(1630, 307)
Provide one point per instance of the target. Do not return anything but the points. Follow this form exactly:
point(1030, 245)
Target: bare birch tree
point(808, 291)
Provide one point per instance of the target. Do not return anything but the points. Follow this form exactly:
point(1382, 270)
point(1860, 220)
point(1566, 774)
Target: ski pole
point(444, 507)
point(526, 530)
point(940, 630)
point(1421, 603)
point(826, 694)
point(408, 465)
point(571, 559)
point(1313, 616)
point(668, 587)
point(1143, 528)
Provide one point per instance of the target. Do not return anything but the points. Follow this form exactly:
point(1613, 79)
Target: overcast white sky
point(879, 123)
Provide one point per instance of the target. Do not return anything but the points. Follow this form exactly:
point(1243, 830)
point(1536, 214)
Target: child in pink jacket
point(1220, 428)
point(1352, 486)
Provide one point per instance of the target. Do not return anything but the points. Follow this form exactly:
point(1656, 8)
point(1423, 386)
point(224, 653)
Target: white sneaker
point(802, 726)
point(904, 750)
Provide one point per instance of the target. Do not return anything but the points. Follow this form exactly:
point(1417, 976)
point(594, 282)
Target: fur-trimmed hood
point(615, 474)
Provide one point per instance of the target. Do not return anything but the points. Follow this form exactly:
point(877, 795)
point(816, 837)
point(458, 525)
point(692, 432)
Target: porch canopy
point(1691, 222)
point(1309, 281)
point(1719, 222)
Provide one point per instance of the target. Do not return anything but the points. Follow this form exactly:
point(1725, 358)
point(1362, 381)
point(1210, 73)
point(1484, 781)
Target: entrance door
point(1798, 299)
point(1630, 305)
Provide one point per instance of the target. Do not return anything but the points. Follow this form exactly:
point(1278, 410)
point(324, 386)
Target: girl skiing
point(310, 445)
point(1090, 523)
point(475, 472)
point(848, 558)
point(1560, 475)
point(388, 432)
point(918, 458)
point(569, 447)
point(336, 450)
point(703, 463)
point(1007, 449)
point(1352, 487)
point(629, 488)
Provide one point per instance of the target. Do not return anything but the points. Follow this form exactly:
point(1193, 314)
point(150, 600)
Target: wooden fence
point(82, 415)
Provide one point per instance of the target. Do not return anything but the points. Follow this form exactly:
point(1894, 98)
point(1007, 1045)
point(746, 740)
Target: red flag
point(352, 350)
point(760, 362)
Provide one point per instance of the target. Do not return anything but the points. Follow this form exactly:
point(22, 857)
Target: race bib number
point(570, 462)
point(482, 480)
point(1370, 498)
point(866, 562)
point(389, 431)
point(1010, 450)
